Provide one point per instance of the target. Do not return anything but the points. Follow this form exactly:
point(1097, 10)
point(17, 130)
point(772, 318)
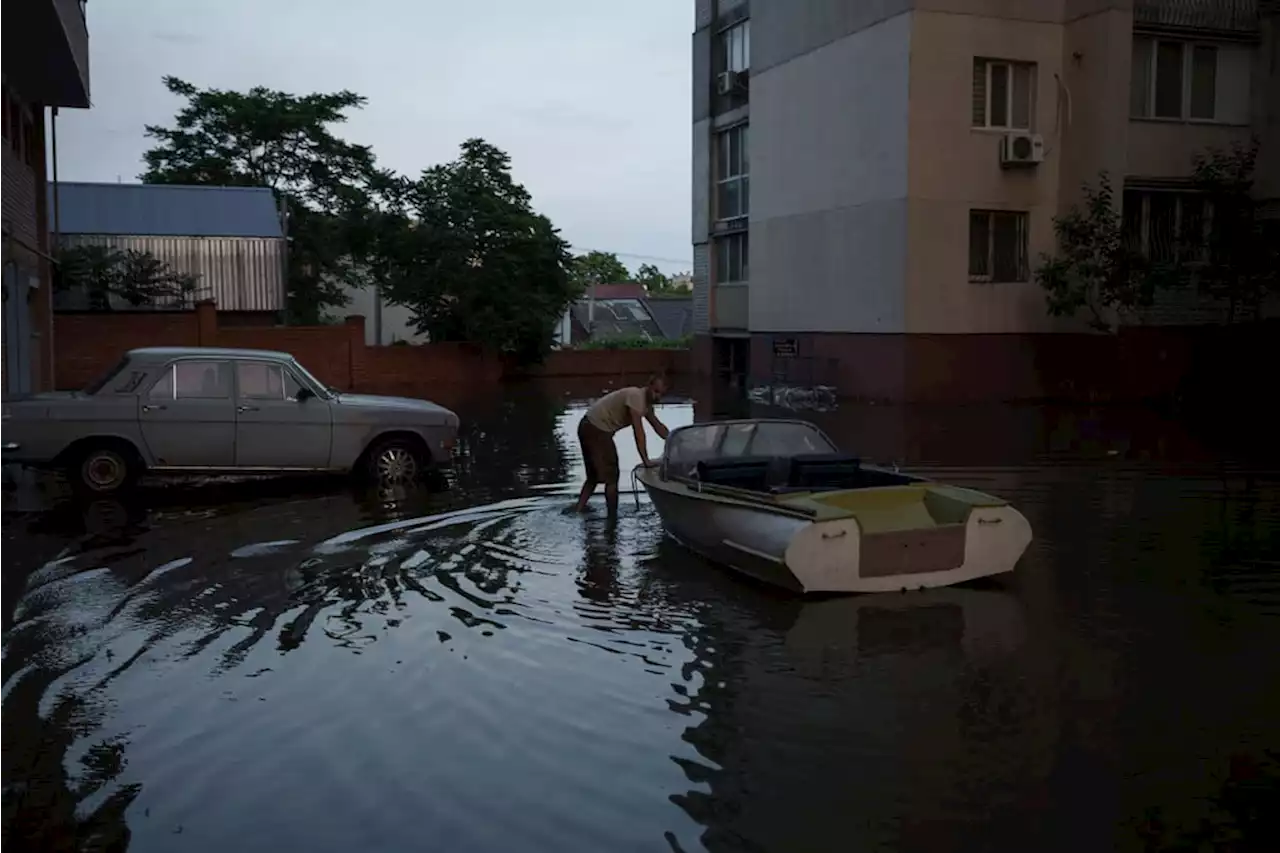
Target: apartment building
point(874, 181)
point(46, 66)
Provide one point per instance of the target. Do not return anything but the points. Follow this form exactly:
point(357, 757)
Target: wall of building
point(239, 273)
point(831, 226)
point(27, 306)
point(955, 168)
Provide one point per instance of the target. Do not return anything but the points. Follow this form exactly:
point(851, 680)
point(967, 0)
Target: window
point(1003, 94)
point(1167, 225)
point(194, 380)
point(731, 259)
point(735, 47)
point(733, 196)
point(1174, 79)
point(257, 380)
point(998, 246)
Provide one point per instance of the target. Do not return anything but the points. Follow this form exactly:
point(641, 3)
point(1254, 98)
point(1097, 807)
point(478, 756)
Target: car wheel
point(105, 470)
point(396, 461)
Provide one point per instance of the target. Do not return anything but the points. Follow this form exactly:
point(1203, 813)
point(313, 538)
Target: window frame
point(744, 257)
point(988, 63)
point(1180, 195)
point(285, 376)
point(724, 43)
point(171, 370)
point(742, 177)
point(1188, 48)
point(1023, 236)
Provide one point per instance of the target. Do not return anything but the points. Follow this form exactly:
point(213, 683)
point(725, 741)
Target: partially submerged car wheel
point(104, 469)
point(396, 461)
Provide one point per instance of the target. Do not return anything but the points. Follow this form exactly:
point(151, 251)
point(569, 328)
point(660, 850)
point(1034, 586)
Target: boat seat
point(824, 471)
point(739, 472)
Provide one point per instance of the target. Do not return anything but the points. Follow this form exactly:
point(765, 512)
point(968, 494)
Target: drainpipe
point(57, 219)
point(284, 256)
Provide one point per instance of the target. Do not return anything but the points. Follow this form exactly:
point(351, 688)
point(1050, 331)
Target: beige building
point(874, 181)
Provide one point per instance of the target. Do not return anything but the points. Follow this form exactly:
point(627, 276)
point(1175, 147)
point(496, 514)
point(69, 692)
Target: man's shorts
point(598, 452)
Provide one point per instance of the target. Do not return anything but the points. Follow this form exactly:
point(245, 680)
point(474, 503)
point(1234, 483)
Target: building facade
point(46, 65)
point(874, 181)
point(230, 238)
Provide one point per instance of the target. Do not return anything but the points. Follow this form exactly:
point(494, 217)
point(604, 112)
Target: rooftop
point(164, 210)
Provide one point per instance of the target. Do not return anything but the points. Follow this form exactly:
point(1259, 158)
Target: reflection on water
point(275, 665)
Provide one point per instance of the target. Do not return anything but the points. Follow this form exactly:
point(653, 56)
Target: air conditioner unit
point(1021, 149)
point(727, 82)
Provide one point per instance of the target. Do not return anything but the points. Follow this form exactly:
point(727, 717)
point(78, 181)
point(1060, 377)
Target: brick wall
point(17, 218)
point(89, 343)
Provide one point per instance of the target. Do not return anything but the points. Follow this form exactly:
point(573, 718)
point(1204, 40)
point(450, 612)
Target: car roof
point(161, 353)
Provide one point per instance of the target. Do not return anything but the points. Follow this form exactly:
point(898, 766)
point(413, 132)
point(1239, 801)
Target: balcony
point(46, 52)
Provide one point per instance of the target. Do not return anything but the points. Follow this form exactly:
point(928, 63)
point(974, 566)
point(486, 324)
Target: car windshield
point(325, 390)
point(98, 384)
point(688, 445)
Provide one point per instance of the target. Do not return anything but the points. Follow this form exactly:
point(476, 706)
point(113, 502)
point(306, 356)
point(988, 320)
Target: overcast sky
point(589, 97)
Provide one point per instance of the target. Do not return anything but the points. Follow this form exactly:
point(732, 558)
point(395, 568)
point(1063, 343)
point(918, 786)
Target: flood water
point(300, 666)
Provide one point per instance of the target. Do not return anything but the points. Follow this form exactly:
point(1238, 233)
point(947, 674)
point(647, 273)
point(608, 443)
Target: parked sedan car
point(203, 410)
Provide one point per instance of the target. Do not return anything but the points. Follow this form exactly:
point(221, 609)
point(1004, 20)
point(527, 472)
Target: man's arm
point(637, 427)
point(658, 426)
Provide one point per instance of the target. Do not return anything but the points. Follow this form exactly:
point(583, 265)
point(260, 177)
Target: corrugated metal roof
point(239, 273)
point(165, 210)
point(1229, 15)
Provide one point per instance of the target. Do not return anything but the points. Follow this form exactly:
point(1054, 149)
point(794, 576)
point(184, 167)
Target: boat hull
point(775, 543)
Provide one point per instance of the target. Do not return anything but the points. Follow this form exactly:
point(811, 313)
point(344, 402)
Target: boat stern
point(882, 552)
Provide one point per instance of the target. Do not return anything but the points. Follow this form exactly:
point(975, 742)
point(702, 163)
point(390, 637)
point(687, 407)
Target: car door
point(188, 416)
point(274, 427)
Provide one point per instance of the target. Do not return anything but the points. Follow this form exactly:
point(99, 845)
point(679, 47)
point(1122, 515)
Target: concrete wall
point(830, 223)
point(955, 168)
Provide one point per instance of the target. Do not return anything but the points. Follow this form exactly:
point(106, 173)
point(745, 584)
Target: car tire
point(105, 469)
point(396, 461)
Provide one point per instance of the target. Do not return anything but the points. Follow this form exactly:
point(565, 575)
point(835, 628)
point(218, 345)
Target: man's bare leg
point(587, 488)
point(611, 498)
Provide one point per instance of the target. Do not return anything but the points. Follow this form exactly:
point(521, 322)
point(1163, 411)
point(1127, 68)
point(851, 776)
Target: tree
point(598, 268)
point(1094, 270)
point(653, 279)
point(1237, 258)
point(466, 252)
point(269, 138)
point(139, 278)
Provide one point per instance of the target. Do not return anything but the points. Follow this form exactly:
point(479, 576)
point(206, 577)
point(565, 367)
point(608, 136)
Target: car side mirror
point(304, 394)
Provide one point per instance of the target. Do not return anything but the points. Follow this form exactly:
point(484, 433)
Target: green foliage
point(597, 268)
point(653, 279)
point(1238, 259)
point(465, 251)
point(637, 342)
point(1094, 271)
point(139, 278)
point(269, 138)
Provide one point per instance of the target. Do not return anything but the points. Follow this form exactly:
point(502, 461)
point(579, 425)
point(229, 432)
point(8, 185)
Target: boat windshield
point(689, 445)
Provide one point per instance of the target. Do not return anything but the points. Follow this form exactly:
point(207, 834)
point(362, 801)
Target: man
point(613, 412)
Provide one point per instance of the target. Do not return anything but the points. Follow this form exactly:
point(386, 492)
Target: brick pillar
point(206, 323)
point(356, 376)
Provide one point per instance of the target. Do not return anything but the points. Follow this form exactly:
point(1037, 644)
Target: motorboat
point(775, 499)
